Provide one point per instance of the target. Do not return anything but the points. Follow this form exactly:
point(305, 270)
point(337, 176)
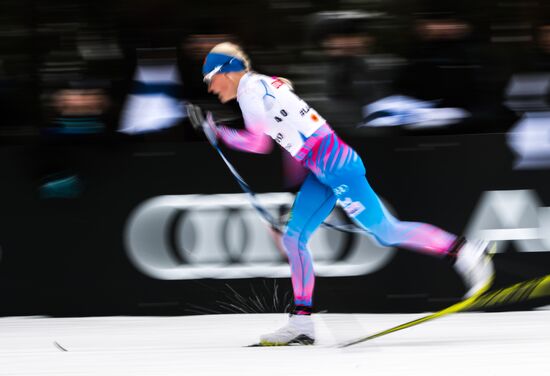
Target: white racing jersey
point(269, 106)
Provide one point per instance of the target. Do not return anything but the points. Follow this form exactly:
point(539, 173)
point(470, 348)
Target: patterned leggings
point(337, 173)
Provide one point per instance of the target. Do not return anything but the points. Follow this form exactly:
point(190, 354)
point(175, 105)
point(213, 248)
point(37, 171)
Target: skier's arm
point(253, 138)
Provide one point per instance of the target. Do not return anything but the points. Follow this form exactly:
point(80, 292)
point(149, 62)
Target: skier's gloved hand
point(195, 116)
point(200, 123)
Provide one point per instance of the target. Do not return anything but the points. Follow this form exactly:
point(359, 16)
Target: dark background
point(67, 257)
point(67, 64)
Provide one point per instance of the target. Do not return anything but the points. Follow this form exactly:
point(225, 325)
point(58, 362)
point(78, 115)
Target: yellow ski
point(520, 292)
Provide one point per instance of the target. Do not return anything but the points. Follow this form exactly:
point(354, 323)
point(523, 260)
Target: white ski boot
point(475, 266)
point(298, 331)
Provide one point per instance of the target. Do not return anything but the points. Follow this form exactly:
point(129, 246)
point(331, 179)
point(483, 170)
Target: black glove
point(195, 116)
point(206, 126)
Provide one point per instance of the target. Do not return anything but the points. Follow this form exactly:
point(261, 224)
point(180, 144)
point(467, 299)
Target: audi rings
point(221, 236)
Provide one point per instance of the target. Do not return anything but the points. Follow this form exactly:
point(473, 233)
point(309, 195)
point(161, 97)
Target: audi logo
point(221, 236)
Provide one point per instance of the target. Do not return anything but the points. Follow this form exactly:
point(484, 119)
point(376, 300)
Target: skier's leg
point(339, 166)
point(363, 205)
point(313, 204)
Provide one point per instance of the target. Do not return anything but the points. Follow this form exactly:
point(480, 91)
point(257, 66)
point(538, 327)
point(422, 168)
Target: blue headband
point(222, 63)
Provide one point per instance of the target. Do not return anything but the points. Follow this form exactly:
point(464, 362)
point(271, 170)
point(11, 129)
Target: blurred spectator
point(80, 111)
point(348, 70)
point(443, 63)
point(76, 118)
point(448, 66)
point(355, 74)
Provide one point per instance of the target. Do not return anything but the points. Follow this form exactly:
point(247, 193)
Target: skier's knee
point(290, 241)
point(383, 232)
point(293, 241)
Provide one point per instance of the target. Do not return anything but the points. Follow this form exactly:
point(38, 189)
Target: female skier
point(271, 110)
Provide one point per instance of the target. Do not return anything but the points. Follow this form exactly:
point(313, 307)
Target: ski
point(298, 341)
point(520, 292)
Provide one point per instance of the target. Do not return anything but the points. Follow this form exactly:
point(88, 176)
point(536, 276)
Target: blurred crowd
point(89, 69)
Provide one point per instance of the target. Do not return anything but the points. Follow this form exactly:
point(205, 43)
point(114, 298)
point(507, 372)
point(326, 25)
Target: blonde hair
point(231, 49)
point(234, 50)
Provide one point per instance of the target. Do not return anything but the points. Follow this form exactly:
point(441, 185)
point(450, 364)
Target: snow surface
point(466, 344)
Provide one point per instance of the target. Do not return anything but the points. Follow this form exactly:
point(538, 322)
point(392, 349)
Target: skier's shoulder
point(260, 85)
